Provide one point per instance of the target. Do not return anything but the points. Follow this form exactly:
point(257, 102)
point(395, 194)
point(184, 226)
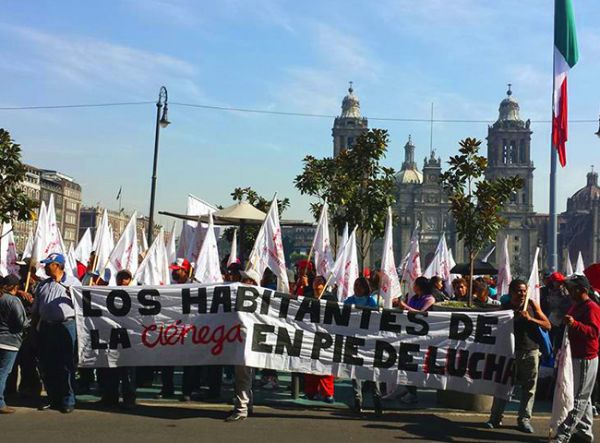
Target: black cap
point(578, 281)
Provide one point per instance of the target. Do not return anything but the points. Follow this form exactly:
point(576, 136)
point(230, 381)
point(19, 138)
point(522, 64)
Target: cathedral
point(421, 201)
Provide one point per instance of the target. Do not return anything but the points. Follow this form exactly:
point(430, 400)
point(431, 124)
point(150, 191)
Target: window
point(524, 198)
point(516, 238)
point(350, 141)
point(516, 248)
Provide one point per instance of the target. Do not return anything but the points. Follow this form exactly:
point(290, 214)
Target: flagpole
point(553, 234)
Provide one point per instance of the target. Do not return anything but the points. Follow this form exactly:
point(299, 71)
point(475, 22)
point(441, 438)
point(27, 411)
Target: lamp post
point(161, 122)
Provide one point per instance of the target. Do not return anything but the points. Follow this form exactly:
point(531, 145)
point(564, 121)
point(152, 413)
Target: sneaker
point(67, 409)
point(7, 410)
point(236, 416)
point(329, 400)
point(595, 411)
point(525, 426)
point(493, 424)
point(409, 399)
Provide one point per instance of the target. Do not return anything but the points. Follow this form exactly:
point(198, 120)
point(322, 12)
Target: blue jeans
point(57, 354)
point(7, 360)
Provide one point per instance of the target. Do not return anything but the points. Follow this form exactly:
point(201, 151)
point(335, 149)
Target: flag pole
point(553, 234)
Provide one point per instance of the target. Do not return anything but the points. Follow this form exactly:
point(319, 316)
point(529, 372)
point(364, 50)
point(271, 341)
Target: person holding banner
point(319, 387)
point(528, 319)
point(53, 315)
point(244, 375)
point(362, 297)
point(583, 321)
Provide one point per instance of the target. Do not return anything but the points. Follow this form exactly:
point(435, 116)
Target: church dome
point(509, 108)
point(351, 105)
point(582, 199)
point(409, 176)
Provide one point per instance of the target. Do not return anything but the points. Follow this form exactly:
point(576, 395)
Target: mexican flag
point(565, 57)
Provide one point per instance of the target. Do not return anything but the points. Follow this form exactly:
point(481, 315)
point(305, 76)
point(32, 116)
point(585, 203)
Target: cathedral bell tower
point(509, 154)
point(349, 125)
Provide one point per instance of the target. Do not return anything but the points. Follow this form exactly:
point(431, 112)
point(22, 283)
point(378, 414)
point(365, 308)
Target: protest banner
point(237, 324)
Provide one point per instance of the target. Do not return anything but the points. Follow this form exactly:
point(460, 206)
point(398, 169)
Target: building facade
point(349, 125)
point(31, 186)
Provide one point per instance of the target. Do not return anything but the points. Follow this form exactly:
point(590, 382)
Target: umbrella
point(480, 268)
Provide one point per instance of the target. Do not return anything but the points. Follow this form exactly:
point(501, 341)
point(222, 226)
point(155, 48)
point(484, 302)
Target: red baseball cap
point(181, 263)
point(557, 277)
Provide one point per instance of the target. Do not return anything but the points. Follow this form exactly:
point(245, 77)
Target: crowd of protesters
point(38, 340)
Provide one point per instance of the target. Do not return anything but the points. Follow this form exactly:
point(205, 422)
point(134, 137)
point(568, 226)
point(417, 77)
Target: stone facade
point(349, 125)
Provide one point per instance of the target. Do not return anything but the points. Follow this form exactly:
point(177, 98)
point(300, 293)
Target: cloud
point(91, 62)
point(173, 12)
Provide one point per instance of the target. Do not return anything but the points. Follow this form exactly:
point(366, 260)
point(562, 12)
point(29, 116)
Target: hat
point(10, 280)
point(557, 277)
point(181, 263)
point(54, 258)
point(304, 264)
point(578, 281)
point(234, 267)
point(250, 274)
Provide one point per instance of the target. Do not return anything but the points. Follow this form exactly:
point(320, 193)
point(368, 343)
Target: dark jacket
point(12, 320)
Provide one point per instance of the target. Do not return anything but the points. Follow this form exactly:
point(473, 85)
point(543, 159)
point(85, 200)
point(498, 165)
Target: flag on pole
point(103, 243)
point(504, 274)
point(171, 249)
point(343, 241)
point(195, 207)
point(563, 400)
point(208, 267)
point(321, 245)
point(154, 269)
point(268, 249)
point(233, 258)
point(345, 269)
point(579, 267)
point(28, 246)
point(488, 255)
point(390, 284)
point(84, 247)
point(569, 267)
point(72, 261)
point(533, 286)
point(413, 265)
point(8, 251)
point(124, 256)
point(40, 236)
point(119, 193)
point(144, 240)
point(440, 265)
point(566, 55)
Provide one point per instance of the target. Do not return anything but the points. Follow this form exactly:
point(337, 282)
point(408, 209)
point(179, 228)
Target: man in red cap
point(555, 303)
point(181, 271)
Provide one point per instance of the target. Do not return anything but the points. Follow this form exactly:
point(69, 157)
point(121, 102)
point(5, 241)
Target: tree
point(357, 187)
point(475, 204)
point(259, 202)
point(15, 205)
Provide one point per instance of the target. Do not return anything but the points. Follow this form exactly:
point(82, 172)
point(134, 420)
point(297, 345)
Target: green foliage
point(475, 202)
point(14, 202)
point(259, 202)
point(357, 187)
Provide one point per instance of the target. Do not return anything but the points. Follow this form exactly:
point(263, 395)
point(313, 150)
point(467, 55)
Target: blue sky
point(281, 56)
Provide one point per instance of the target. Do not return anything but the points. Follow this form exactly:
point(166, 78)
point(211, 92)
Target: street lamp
point(161, 122)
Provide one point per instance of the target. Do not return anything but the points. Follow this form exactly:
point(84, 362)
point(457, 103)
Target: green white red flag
point(565, 57)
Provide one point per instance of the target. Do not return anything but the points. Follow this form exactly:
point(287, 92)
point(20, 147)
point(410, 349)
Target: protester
point(362, 297)
point(269, 378)
point(54, 316)
point(437, 289)
point(13, 320)
point(555, 303)
point(244, 375)
point(460, 289)
point(481, 295)
point(111, 378)
point(583, 321)
point(526, 325)
point(320, 387)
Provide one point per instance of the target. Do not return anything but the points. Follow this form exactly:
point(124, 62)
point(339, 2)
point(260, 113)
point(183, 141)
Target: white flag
point(196, 207)
point(84, 247)
point(233, 258)
point(125, 254)
point(579, 267)
point(268, 249)
point(8, 251)
point(345, 269)
point(144, 241)
point(440, 265)
point(504, 274)
point(28, 249)
point(487, 256)
point(197, 238)
point(103, 243)
point(71, 261)
point(413, 266)
point(563, 400)
point(171, 250)
point(154, 269)
point(321, 245)
point(390, 284)
point(208, 267)
point(569, 268)
point(47, 239)
point(343, 241)
point(40, 238)
point(533, 286)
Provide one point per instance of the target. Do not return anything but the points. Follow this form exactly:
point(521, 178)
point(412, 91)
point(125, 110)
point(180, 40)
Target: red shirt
point(584, 331)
